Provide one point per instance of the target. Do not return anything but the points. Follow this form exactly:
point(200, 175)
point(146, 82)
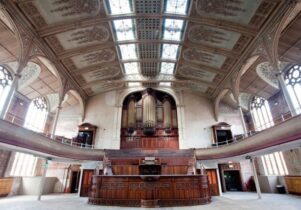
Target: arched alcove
point(149, 120)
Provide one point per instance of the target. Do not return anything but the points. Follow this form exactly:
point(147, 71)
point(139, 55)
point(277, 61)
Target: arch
point(249, 62)
point(128, 91)
point(51, 67)
point(13, 27)
point(217, 102)
point(176, 96)
point(80, 101)
point(265, 72)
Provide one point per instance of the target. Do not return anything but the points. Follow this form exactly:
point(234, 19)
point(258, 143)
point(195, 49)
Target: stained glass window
point(5, 82)
point(293, 85)
point(37, 115)
point(261, 113)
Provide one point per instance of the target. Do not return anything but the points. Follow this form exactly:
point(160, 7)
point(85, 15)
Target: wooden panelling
point(213, 182)
point(293, 184)
point(163, 191)
point(86, 182)
point(5, 186)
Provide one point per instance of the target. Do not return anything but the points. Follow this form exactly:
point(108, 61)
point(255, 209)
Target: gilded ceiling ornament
point(75, 7)
point(220, 7)
point(199, 33)
point(100, 56)
point(97, 33)
point(197, 56)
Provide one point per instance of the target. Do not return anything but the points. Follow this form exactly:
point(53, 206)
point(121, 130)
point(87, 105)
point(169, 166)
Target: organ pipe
point(167, 114)
point(131, 113)
point(149, 111)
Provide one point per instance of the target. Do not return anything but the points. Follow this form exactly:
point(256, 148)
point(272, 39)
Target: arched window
point(261, 113)
point(293, 85)
point(5, 82)
point(37, 115)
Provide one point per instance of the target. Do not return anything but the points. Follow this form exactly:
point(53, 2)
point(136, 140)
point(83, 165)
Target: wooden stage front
point(150, 190)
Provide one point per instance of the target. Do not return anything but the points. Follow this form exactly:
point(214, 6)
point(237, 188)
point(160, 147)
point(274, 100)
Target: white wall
point(199, 119)
point(100, 111)
point(68, 121)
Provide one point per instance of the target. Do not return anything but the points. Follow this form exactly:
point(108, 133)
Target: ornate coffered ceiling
point(112, 44)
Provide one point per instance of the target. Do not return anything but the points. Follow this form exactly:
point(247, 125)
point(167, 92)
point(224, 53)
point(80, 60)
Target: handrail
point(274, 121)
point(251, 132)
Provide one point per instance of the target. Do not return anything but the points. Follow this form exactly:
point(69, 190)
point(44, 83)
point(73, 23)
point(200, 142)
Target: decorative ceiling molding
point(266, 73)
point(29, 74)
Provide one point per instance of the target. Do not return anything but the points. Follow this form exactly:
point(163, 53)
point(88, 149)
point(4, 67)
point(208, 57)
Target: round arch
point(80, 101)
point(124, 93)
point(218, 100)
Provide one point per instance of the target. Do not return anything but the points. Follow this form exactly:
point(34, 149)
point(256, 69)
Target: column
point(80, 181)
point(255, 178)
point(42, 180)
point(243, 123)
point(10, 95)
point(167, 114)
point(286, 94)
point(54, 124)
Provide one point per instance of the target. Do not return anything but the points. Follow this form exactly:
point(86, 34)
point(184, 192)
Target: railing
point(253, 129)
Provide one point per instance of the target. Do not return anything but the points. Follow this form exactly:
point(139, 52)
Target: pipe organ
point(149, 120)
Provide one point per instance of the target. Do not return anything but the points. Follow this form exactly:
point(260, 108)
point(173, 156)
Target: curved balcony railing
point(255, 129)
point(237, 138)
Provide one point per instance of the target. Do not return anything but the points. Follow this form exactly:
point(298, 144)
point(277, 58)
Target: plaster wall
point(199, 119)
point(68, 121)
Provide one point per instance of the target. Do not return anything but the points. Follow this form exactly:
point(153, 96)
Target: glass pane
point(173, 29)
point(271, 156)
point(170, 51)
point(165, 84)
point(117, 7)
point(124, 29)
point(128, 51)
point(176, 7)
point(131, 68)
point(167, 68)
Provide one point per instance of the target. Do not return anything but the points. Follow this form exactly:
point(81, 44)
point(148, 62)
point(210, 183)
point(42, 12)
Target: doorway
point(232, 180)
point(213, 182)
point(75, 181)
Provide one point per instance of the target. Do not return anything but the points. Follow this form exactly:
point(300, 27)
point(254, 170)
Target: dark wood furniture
point(222, 133)
point(86, 182)
point(86, 134)
point(293, 184)
point(213, 182)
point(160, 140)
point(175, 190)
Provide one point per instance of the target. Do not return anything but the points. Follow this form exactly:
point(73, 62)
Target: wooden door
point(212, 177)
point(86, 182)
